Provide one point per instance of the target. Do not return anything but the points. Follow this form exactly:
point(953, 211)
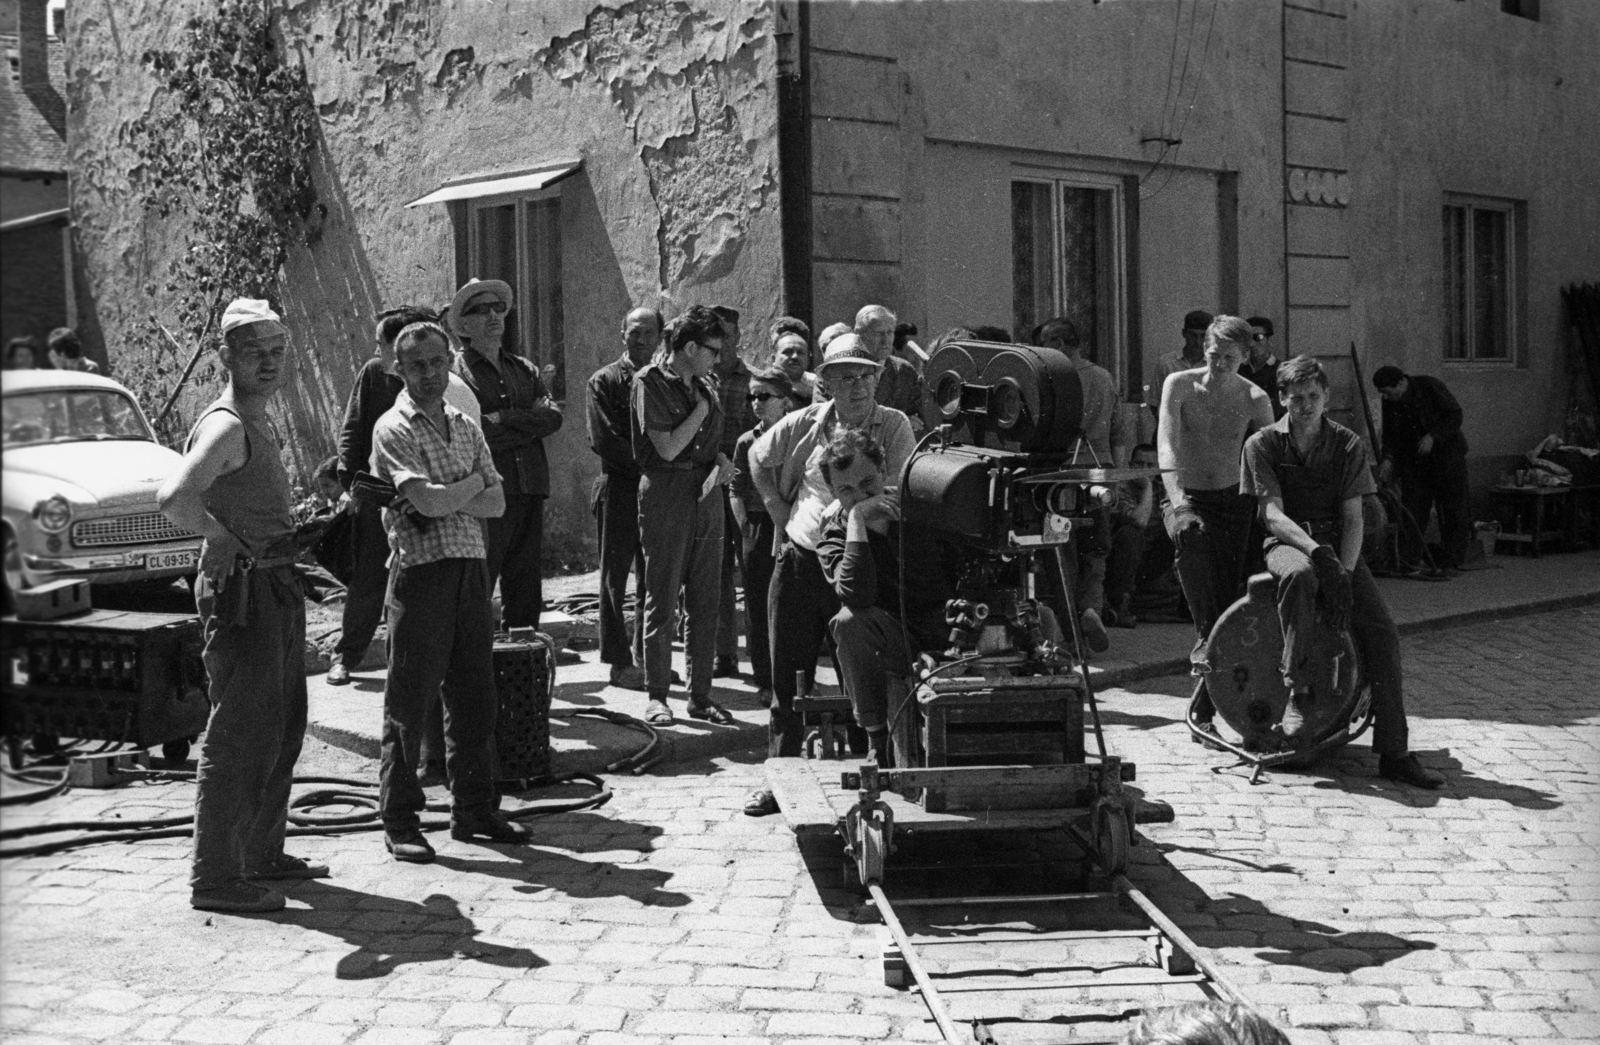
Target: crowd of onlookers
point(65, 352)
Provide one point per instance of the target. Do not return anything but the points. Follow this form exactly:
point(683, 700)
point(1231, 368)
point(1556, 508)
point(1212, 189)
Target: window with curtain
point(1481, 288)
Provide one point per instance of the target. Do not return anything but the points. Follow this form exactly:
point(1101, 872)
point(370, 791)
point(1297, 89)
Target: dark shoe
point(761, 803)
point(490, 824)
point(627, 676)
point(725, 668)
point(1094, 632)
point(408, 846)
point(709, 711)
point(338, 674)
point(1294, 716)
point(1407, 770)
point(286, 866)
point(239, 898)
point(1209, 728)
point(431, 774)
point(657, 713)
point(675, 679)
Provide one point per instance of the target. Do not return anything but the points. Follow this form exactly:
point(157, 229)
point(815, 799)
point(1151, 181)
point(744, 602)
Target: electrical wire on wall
point(1173, 110)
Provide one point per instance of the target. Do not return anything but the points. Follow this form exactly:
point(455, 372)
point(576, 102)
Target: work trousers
point(363, 600)
point(257, 725)
point(1211, 561)
point(800, 605)
point(870, 646)
point(616, 513)
point(758, 564)
point(1122, 564)
point(1435, 482)
point(516, 548)
point(1377, 641)
point(681, 533)
point(728, 604)
point(440, 631)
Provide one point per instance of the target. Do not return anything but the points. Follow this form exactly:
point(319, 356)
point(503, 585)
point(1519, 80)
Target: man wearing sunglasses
point(1260, 367)
point(518, 413)
point(679, 450)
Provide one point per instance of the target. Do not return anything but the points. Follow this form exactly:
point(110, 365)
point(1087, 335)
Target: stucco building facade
point(1416, 178)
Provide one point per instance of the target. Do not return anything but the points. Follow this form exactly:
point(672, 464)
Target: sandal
point(761, 803)
point(657, 713)
point(709, 711)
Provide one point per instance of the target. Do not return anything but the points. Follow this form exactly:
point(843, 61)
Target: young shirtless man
point(1206, 415)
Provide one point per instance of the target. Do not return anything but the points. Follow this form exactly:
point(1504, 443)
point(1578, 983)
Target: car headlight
point(53, 514)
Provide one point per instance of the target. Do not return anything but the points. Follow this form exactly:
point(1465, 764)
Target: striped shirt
point(406, 446)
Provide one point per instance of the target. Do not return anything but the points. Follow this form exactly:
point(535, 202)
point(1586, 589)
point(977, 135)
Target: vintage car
point(82, 469)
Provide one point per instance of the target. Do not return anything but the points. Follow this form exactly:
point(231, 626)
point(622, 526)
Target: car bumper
point(115, 565)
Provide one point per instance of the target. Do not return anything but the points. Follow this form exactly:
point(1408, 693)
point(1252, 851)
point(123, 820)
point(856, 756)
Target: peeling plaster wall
point(671, 106)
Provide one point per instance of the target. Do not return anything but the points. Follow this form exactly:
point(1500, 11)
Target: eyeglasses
point(497, 308)
point(850, 379)
point(1259, 337)
point(715, 350)
point(762, 397)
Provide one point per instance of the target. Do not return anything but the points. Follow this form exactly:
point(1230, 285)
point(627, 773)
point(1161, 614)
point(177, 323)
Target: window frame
point(1114, 349)
point(523, 286)
point(1515, 280)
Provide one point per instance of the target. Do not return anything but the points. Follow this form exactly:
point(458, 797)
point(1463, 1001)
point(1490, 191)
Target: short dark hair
point(904, 332)
point(1144, 448)
point(1059, 327)
point(328, 469)
point(1231, 329)
point(388, 323)
point(775, 377)
point(788, 325)
point(1264, 323)
point(697, 323)
point(30, 343)
point(1300, 369)
point(411, 333)
point(65, 340)
point(992, 333)
point(726, 314)
point(1388, 377)
point(844, 446)
point(1197, 319)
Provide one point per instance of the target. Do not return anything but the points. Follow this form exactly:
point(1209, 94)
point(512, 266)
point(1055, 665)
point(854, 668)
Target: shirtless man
point(1206, 415)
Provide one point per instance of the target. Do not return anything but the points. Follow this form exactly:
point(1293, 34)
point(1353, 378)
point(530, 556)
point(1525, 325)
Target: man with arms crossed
point(233, 491)
point(1309, 475)
point(1206, 414)
point(440, 626)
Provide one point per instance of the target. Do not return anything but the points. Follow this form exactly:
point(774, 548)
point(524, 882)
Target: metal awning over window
point(476, 186)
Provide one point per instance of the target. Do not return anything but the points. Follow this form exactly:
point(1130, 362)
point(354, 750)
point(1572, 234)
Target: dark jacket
point(868, 574)
point(612, 426)
point(374, 393)
point(1427, 408)
point(516, 440)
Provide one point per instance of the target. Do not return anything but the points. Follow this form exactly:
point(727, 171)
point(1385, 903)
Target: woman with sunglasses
point(771, 397)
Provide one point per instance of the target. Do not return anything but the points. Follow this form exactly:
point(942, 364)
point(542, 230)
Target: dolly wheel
point(176, 751)
point(873, 852)
point(1111, 839)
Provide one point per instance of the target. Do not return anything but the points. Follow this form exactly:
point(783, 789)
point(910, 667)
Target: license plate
point(171, 560)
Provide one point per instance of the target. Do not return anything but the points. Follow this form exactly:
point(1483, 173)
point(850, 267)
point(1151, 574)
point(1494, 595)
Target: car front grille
point(145, 528)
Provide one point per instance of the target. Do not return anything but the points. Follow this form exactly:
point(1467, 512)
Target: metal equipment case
point(522, 675)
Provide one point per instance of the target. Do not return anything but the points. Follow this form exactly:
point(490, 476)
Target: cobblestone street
point(1354, 911)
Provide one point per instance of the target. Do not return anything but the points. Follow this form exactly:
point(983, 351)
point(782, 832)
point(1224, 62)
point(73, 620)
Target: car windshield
point(66, 416)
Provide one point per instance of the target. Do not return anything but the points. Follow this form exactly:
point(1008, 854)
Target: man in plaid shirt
point(440, 625)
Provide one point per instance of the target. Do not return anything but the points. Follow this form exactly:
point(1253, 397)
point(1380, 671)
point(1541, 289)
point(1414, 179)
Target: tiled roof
point(29, 140)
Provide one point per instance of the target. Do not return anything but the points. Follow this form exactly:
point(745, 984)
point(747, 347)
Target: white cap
point(244, 311)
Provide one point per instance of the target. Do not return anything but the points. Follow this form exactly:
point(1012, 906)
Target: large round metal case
point(1246, 677)
point(1009, 397)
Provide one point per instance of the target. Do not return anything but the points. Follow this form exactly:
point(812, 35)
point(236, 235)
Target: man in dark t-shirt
point(1308, 476)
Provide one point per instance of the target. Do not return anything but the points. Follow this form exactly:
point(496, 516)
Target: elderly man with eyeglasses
point(518, 413)
point(786, 464)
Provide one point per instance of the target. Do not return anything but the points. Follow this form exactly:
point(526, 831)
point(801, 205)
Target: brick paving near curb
point(1354, 911)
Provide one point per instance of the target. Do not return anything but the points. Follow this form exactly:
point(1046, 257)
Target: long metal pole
point(930, 993)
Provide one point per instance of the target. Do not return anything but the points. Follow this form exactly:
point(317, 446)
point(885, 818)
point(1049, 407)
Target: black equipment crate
point(1031, 721)
point(522, 672)
point(106, 675)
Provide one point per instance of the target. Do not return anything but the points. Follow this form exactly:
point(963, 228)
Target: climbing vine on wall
point(224, 151)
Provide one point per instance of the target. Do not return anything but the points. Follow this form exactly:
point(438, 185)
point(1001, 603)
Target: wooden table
point(1539, 513)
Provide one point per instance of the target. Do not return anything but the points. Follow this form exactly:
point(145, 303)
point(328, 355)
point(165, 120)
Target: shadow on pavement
point(396, 933)
point(1359, 776)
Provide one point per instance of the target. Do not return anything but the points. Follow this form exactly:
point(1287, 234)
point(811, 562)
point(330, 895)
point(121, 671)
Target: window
point(518, 239)
point(1067, 236)
point(1481, 280)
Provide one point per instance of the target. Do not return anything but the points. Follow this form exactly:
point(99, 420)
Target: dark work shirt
point(374, 393)
point(734, 388)
point(1265, 377)
point(613, 429)
point(516, 440)
point(743, 485)
point(1337, 462)
point(1427, 408)
point(662, 402)
point(865, 575)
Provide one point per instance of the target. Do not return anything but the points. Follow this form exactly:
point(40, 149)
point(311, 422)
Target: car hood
point(106, 473)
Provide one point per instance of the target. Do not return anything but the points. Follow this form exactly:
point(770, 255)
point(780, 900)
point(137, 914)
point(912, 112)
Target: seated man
point(859, 551)
point(1309, 475)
